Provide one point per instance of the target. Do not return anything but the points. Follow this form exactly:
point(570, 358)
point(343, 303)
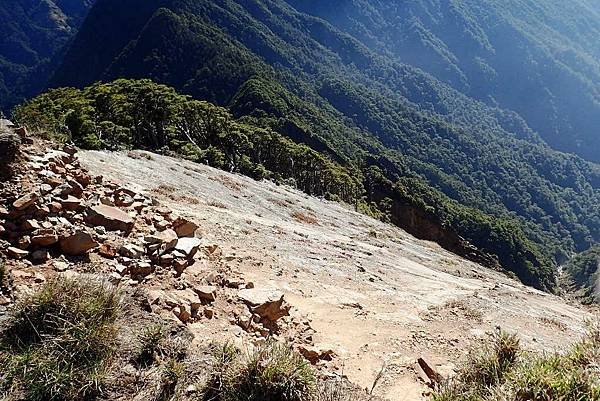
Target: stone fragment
point(167, 239)
point(4, 301)
point(41, 212)
point(22, 132)
point(44, 238)
point(142, 269)
point(431, 374)
point(109, 217)
point(108, 250)
point(41, 255)
point(314, 354)
point(25, 201)
point(206, 293)
point(55, 207)
point(182, 313)
point(162, 225)
point(191, 298)
point(71, 203)
point(60, 265)
point(16, 253)
point(83, 179)
point(77, 244)
point(122, 270)
point(24, 242)
point(184, 228)
point(69, 149)
point(76, 188)
point(30, 225)
point(45, 189)
point(9, 147)
point(155, 297)
point(166, 260)
point(188, 246)
point(180, 265)
point(268, 304)
point(105, 200)
point(209, 313)
point(131, 251)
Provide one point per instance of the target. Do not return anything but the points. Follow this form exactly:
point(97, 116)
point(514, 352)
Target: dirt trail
point(375, 295)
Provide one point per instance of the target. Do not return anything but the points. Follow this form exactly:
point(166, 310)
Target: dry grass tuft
point(272, 372)
point(56, 344)
point(305, 218)
point(501, 371)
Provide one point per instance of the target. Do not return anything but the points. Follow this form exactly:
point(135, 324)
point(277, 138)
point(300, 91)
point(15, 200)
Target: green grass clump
point(502, 372)
point(56, 344)
point(272, 372)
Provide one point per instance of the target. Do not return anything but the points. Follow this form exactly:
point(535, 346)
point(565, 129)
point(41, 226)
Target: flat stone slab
point(109, 217)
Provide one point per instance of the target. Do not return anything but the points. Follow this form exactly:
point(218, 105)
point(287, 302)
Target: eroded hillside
point(223, 258)
point(373, 294)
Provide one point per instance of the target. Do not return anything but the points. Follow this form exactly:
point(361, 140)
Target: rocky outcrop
point(55, 218)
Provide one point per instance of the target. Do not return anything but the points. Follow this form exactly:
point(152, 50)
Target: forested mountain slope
point(385, 121)
point(33, 34)
point(539, 58)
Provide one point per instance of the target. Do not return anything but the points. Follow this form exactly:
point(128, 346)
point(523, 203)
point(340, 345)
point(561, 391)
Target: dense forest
point(403, 141)
point(34, 33)
point(584, 270)
point(539, 58)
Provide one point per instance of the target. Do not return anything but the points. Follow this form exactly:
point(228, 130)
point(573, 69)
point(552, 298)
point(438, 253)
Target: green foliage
point(141, 114)
point(272, 372)
point(502, 371)
point(536, 59)
point(56, 344)
point(583, 269)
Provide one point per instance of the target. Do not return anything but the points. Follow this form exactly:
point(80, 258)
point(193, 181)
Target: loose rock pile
point(55, 218)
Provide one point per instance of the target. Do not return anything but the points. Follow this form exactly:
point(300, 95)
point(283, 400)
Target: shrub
point(272, 372)
point(502, 371)
point(56, 345)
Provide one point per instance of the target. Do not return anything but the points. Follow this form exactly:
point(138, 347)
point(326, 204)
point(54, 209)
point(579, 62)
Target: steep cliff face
point(34, 33)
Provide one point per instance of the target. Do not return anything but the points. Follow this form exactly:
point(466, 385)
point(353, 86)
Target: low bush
point(502, 371)
point(56, 345)
point(272, 372)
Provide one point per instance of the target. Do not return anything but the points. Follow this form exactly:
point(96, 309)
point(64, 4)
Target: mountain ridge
point(34, 37)
point(501, 53)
